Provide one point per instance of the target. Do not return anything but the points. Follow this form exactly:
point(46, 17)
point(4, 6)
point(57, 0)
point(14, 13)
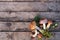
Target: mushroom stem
point(48, 26)
point(44, 26)
point(38, 28)
point(43, 21)
point(49, 23)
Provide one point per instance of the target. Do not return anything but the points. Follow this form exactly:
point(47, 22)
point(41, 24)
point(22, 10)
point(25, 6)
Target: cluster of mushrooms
point(44, 24)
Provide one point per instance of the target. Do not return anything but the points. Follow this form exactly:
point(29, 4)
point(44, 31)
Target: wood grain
point(6, 35)
point(29, 6)
point(23, 36)
point(19, 27)
point(16, 15)
point(29, 0)
point(12, 26)
point(17, 36)
point(27, 16)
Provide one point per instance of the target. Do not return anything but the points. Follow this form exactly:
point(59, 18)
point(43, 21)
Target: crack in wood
point(27, 30)
point(29, 1)
point(14, 20)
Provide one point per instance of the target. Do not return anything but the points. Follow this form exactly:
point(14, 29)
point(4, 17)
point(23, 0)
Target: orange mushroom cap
point(32, 25)
point(50, 22)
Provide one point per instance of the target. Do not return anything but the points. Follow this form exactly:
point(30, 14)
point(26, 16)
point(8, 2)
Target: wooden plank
point(55, 36)
point(23, 36)
point(3, 26)
point(27, 16)
point(5, 36)
point(15, 0)
point(14, 26)
point(17, 16)
point(28, 6)
point(58, 6)
point(15, 36)
point(30, 0)
point(28, 37)
point(19, 27)
point(22, 6)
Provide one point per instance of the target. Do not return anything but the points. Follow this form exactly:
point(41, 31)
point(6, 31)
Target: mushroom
point(49, 23)
point(43, 21)
point(33, 28)
point(35, 34)
point(32, 25)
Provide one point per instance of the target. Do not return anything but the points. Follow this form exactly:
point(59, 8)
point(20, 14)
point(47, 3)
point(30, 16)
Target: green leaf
point(42, 31)
point(47, 34)
point(54, 25)
point(36, 19)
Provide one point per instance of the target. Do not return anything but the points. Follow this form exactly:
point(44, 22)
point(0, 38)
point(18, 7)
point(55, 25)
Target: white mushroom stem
point(44, 26)
point(44, 21)
point(35, 34)
point(38, 28)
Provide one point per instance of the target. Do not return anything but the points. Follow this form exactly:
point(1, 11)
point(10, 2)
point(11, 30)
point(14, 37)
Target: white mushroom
point(33, 28)
point(43, 21)
point(34, 35)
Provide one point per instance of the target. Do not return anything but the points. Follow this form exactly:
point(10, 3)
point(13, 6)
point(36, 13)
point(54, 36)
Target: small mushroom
point(49, 23)
point(35, 34)
point(43, 21)
point(32, 25)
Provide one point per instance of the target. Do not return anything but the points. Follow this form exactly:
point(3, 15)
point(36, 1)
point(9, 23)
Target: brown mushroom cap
point(50, 22)
point(32, 25)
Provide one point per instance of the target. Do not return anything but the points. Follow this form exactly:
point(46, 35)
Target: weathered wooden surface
point(22, 6)
point(12, 26)
point(18, 27)
point(29, 6)
point(56, 36)
point(3, 36)
point(15, 15)
point(11, 21)
point(22, 36)
point(31, 0)
point(27, 16)
point(14, 36)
